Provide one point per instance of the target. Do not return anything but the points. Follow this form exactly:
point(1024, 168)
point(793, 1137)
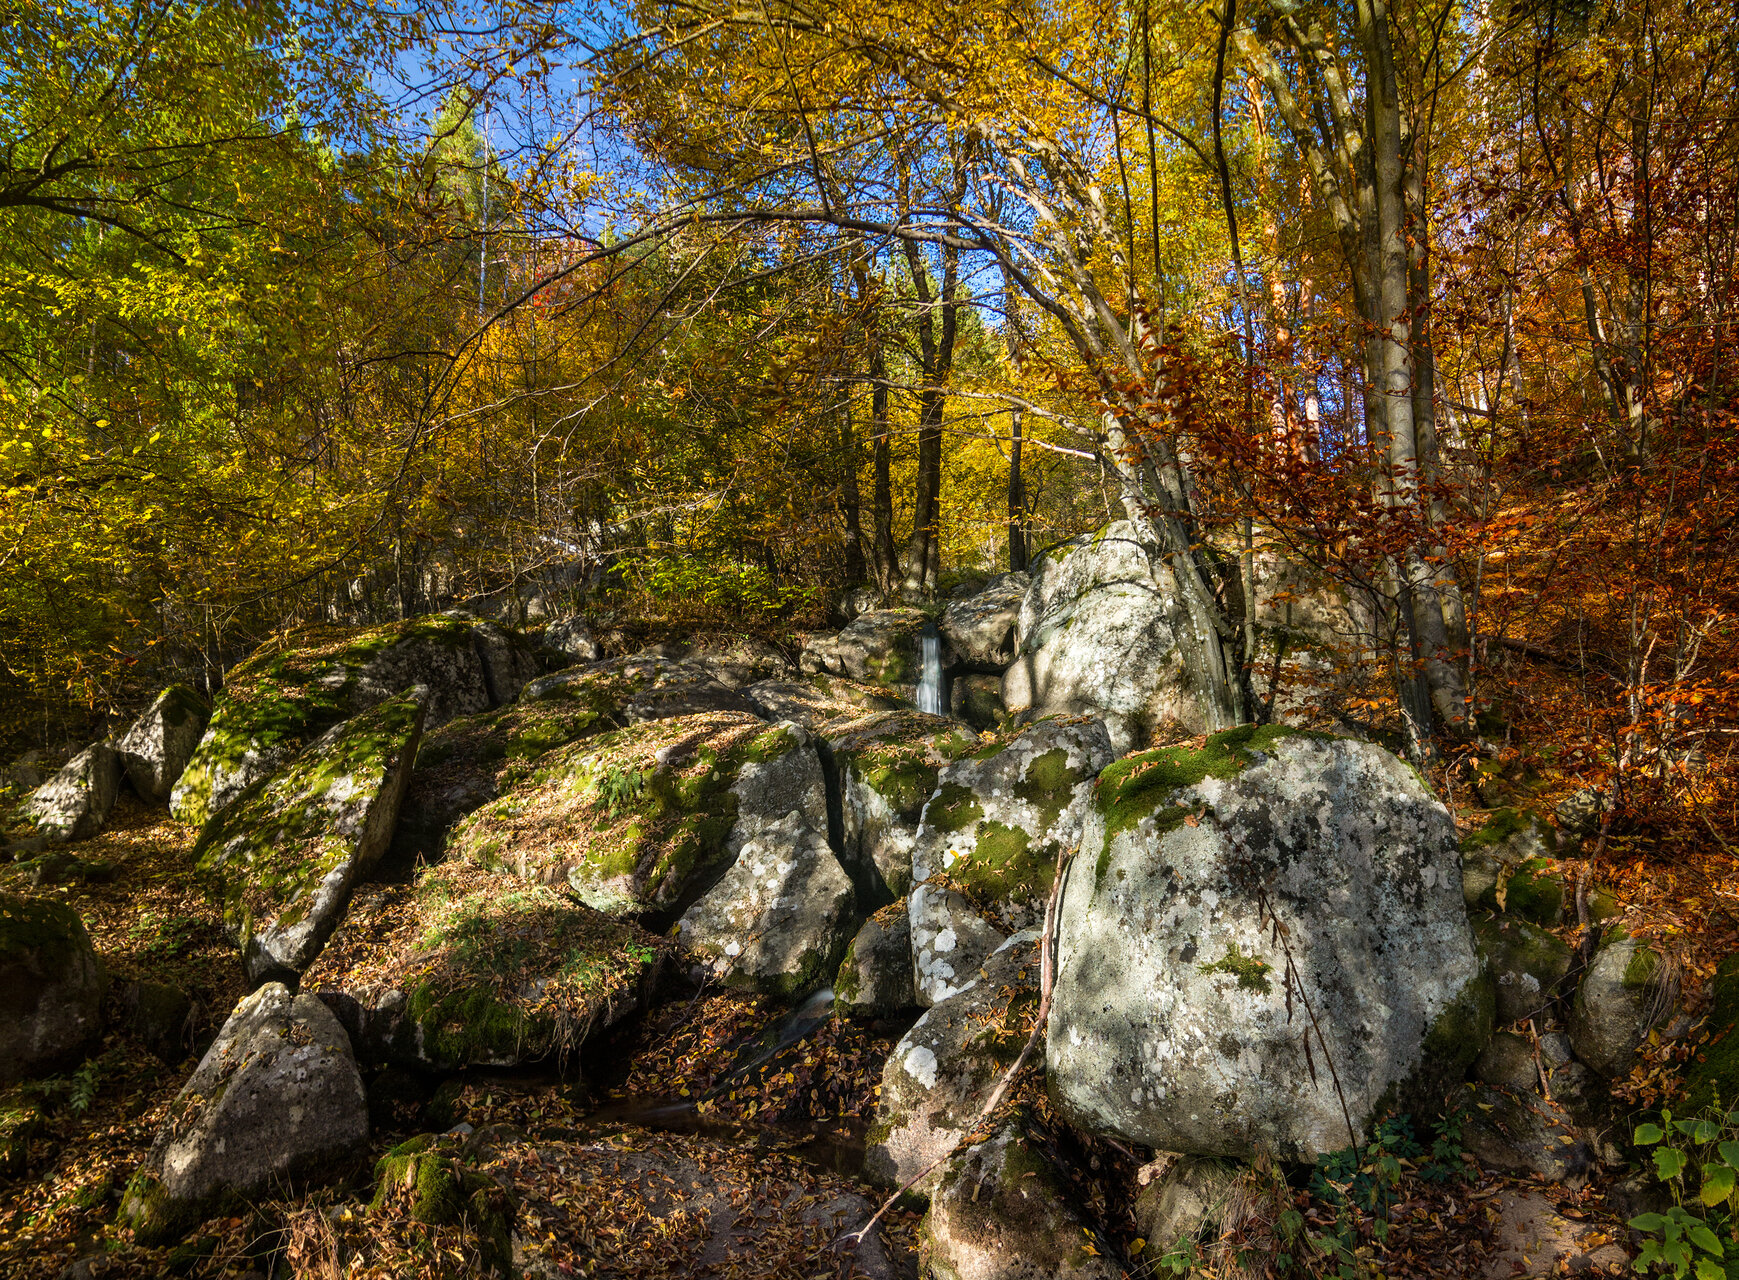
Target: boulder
point(1521, 1132)
point(75, 803)
point(158, 745)
point(1626, 991)
point(817, 700)
point(887, 765)
point(281, 699)
point(282, 861)
point(941, 1072)
point(875, 978)
point(51, 986)
point(1506, 865)
point(277, 1096)
point(1715, 1073)
point(431, 1181)
point(1525, 962)
point(159, 1015)
point(1507, 1062)
point(978, 629)
point(989, 842)
point(977, 699)
point(734, 660)
point(779, 920)
point(1176, 1018)
point(1579, 813)
point(462, 971)
point(645, 686)
point(1003, 1211)
point(883, 647)
point(639, 821)
point(571, 639)
point(1097, 635)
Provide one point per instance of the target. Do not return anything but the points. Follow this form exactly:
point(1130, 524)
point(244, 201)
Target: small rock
point(277, 1096)
point(1625, 992)
point(1526, 962)
point(75, 803)
point(158, 1014)
point(1523, 1133)
point(51, 986)
point(977, 700)
point(1579, 813)
point(428, 1180)
point(1507, 1063)
point(1185, 1203)
point(1003, 1211)
point(572, 639)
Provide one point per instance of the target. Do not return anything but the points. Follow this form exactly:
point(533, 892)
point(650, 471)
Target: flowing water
point(930, 689)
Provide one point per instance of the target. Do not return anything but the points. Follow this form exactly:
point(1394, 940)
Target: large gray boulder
point(75, 803)
point(1178, 1019)
point(157, 746)
point(780, 918)
point(277, 1096)
point(986, 852)
point(637, 821)
point(887, 764)
point(283, 860)
point(281, 699)
point(51, 986)
point(1003, 1211)
point(1627, 990)
point(978, 629)
point(936, 1081)
point(1097, 635)
point(882, 648)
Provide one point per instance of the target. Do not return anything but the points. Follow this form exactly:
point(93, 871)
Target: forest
point(625, 449)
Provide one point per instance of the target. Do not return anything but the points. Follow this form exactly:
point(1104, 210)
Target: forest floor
point(792, 1125)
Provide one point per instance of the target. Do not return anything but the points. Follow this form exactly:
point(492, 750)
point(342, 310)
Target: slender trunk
point(923, 548)
point(1017, 548)
point(851, 499)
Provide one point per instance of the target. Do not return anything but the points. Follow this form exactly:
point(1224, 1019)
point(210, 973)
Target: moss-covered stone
point(429, 1181)
point(51, 986)
point(1714, 1076)
point(1525, 962)
point(20, 1117)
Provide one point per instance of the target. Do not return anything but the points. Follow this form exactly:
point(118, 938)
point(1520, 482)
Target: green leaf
point(1668, 1163)
point(1730, 1153)
point(1709, 1269)
point(1705, 1240)
point(1647, 1222)
point(1717, 1183)
point(1707, 1131)
point(1648, 1134)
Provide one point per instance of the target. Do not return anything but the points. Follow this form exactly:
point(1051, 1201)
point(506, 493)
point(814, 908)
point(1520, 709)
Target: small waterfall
point(930, 691)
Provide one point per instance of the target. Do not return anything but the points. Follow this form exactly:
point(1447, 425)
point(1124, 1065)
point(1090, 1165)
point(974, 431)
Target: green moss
point(1531, 890)
point(848, 982)
point(1504, 825)
point(428, 1181)
point(1251, 972)
point(154, 1218)
point(50, 934)
point(20, 1117)
point(1136, 786)
point(1714, 1078)
point(953, 808)
point(770, 745)
point(1048, 784)
point(1644, 964)
point(1455, 1038)
point(1004, 868)
point(470, 1026)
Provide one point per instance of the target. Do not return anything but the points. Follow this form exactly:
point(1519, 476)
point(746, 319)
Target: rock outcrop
point(1177, 1018)
point(284, 859)
point(988, 846)
point(1097, 635)
point(876, 975)
point(641, 820)
point(281, 699)
point(978, 629)
point(75, 803)
point(277, 1096)
point(880, 648)
point(155, 749)
point(51, 986)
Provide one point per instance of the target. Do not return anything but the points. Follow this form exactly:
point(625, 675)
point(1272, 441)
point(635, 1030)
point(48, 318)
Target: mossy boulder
point(1174, 1017)
point(1186, 1204)
point(639, 820)
point(977, 699)
point(1627, 990)
point(1525, 962)
point(818, 701)
point(882, 647)
point(978, 625)
point(277, 1097)
point(51, 986)
point(936, 1079)
point(431, 1182)
point(156, 747)
point(887, 764)
point(641, 687)
point(479, 972)
point(1714, 1076)
point(990, 841)
point(1004, 1211)
point(283, 860)
point(75, 803)
point(288, 694)
point(1521, 1132)
point(876, 976)
point(1507, 865)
